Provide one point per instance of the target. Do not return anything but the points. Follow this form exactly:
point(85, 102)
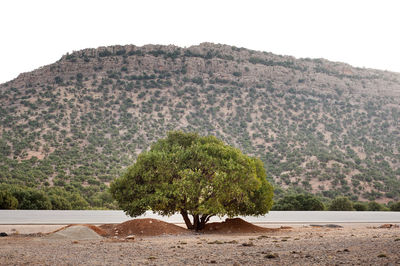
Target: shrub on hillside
point(8, 201)
point(299, 202)
point(360, 206)
point(374, 206)
point(341, 204)
point(395, 207)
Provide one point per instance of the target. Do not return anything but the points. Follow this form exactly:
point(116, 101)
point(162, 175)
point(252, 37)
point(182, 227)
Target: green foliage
point(193, 175)
point(78, 202)
point(53, 198)
point(65, 200)
point(105, 53)
point(31, 199)
point(374, 206)
point(58, 80)
point(360, 206)
point(395, 207)
point(341, 204)
point(7, 201)
point(299, 202)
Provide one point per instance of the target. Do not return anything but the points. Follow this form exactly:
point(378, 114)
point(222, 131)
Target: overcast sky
point(362, 33)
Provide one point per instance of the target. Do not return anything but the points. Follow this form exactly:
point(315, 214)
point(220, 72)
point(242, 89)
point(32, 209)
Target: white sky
point(362, 33)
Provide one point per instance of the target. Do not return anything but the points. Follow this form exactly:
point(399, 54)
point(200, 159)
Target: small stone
point(286, 227)
point(386, 226)
point(216, 242)
point(130, 237)
point(333, 226)
point(271, 256)
point(248, 244)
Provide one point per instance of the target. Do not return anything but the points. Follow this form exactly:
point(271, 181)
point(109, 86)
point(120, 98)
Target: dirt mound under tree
point(233, 226)
point(152, 227)
point(143, 227)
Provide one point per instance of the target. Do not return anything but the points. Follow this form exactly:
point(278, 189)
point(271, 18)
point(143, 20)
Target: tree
point(359, 206)
point(299, 202)
point(62, 199)
point(31, 199)
point(374, 206)
point(395, 207)
point(195, 176)
point(341, 204)
point(7, 201)
point(59, 203)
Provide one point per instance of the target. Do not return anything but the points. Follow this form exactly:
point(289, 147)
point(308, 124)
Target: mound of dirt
point(77, 232)
point(233, 226)
point(142, 227)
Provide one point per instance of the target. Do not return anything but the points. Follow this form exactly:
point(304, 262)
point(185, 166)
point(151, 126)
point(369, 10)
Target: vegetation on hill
point(319, 127)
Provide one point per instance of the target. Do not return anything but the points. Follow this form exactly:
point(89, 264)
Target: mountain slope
point(319, 126)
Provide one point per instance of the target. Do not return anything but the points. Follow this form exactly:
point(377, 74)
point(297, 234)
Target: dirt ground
point(354, 244)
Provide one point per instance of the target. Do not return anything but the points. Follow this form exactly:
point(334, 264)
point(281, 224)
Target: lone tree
point(195, 176)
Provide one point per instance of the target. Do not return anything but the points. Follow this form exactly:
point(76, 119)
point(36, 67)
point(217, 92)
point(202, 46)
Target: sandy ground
point(354, 244)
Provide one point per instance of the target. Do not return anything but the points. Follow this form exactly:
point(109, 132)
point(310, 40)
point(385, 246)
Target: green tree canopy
point(299, 202)
point(395, 207)
point(195, 176)
point(28, 198)
point(31, 199)
point(374, 206)
point(7, 201)
point(360, 206)
point(341, 204)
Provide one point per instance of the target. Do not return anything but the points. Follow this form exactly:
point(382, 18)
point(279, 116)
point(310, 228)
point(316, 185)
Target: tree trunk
point(188, 223)
point(199, 222)
point(196, 222)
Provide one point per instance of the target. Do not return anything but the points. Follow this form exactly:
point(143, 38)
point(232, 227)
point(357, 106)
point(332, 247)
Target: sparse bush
point(58, 80)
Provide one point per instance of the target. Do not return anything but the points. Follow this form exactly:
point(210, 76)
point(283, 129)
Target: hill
point(319, 126)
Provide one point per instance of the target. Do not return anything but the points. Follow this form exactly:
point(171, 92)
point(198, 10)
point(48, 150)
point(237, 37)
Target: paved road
point(99, 217)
